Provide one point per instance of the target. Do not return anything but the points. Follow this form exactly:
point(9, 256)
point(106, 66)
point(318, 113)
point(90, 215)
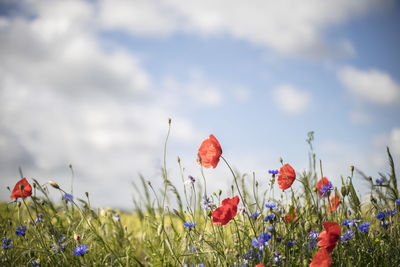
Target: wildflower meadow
point(321, 224)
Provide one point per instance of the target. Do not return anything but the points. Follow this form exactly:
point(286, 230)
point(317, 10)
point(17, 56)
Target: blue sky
point(92, 83)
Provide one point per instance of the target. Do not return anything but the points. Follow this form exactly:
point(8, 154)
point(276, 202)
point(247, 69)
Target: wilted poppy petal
point(289, 218)
point(286, 177)
point(333, 204)
point(321, 259)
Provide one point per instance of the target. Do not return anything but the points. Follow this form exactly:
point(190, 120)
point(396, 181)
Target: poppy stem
point(240, 194)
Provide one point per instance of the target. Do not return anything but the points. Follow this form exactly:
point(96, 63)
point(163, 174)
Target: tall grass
point(155, 233)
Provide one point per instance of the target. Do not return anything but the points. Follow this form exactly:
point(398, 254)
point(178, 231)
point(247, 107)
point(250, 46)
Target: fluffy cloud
point(289, 27)
point(291, 100)
point(65, 98)
point(372, 85)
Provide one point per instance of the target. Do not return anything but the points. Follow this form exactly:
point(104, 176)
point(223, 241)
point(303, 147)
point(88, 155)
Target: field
point(322, 225)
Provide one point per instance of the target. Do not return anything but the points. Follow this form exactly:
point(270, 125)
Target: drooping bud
point(53, 184)
point(344, 190)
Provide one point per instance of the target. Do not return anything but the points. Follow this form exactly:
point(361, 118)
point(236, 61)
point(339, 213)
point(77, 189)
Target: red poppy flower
point(322, 182)
point(260, 265)
point(289, 218)
point(209, 152)
point(334, 203)
point(26, 190)
point(321, 259)
point(330, 236)
point(286, 177)
point(226, 212)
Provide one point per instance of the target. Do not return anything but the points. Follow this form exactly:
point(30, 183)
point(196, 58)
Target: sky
point(93, 83)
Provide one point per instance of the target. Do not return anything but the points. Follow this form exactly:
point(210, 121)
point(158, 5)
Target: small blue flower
point(381, 215)
point(80, 250)
point(363, 228)
point(270, 205)
point(261, 241)
point(116, 217)
point(7, 243)
point(326, 189)
point(346, 222)
point(254, 215)
point(291, 243)
point(273, 172)
point(20, 230)
point(68, 197)
point(277, 257)
point(206, 203)
point(398, 202)
point(313, 235)
point(379, 181)
point(270, 217)
point(392, 212)
point(189, 225)
point(347, 236)
point(35, 263)
point(39, 218)
point(271, 228)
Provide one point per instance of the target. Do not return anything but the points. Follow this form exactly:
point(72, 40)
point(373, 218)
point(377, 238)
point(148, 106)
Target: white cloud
point(371, 85)
point(291, 100)
point(289, 27)
point(196, 89)
point(392, 140)
point(64, 98)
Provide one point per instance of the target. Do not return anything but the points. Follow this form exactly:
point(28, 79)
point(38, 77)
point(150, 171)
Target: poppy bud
point(352, 168)
point(148, 182)
point(77, 237)
point(8, 188)
point(257, 183)
point(53, 184)
point(179, 160)
point(169, 120)
point(87, 194)
point(219, 192)
point(70, 166)
point(281, 160)
point(344, 190)
point(314, 189)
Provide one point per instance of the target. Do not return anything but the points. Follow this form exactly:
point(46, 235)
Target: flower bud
point(169, 120)
point(281, 160)
point(87, 194)
point(179, 159)
point(76, 237)
point(344, 190)
point(314, 189)
point(352, 168)
point(219, 192)
point(53, 184)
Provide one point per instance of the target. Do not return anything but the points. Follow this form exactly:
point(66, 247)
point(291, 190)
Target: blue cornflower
point(68, 197)
point(20, 230)
point(347, 236)
point(398, 202)
point(271, 228)
point(273, 172)
point(363, 228)
point(270, 205)
point(201, 265)
point(326, 189)
point(384, 224)
point(351, 223)
point(392, 212)
point(346, 222)
point(206, 203)
point(254, 215)
point(261, 241)
point(313, 234)
point(39, 218)
point(7, 243)
point(291, 243)
point(270, 217)
point(251, 255)
point(116, 217)
point(35, 263)
point(381, 215)
point(379, 181)
point(80, 250)
point(189, 225)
